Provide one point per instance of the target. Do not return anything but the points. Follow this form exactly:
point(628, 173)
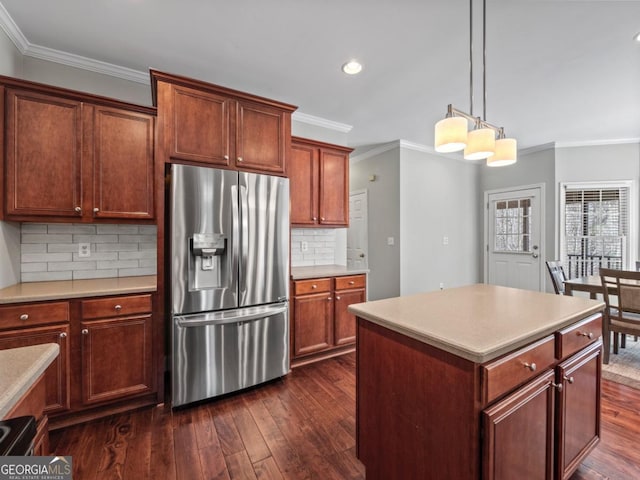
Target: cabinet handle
point(568, 379)
point(557, 386)
point(63, 335)
point(85, 331)
point(338, 297)
point(328, 299)
point(226, 157)
point(314, 218)
point(589, 335)
point(96, 210)
point(322, 219)
point(531, 366)
point(24, 316)
point(118, 307)
point(314, 286)
point(78, 209)
point(239, 159)
point(352, 282)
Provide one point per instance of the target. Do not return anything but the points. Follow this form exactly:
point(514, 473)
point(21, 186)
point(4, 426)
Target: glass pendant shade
point(506, 153)
point(451, 134)
point(481, 143)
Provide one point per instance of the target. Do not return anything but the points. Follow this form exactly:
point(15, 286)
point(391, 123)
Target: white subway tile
point(150, 263)
point(45, 276)
point(62, 247)
point(33, 248)
point(33, 228)
point(33, 267)
point(95, 239)
point(137, 255)
point(136, 272)
point(46, 257)
point(63, 266)
point(117, 229)
point(148, 230)
point(46, 238)
point(118, 264)
point(116, 247)
point(81, 274)
point(71, 228)
point(136, 238)
point(148, 246)
point(95, 256)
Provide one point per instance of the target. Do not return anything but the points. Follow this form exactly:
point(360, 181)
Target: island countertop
point(20, 368)
point(477, 322)
point(63, 289)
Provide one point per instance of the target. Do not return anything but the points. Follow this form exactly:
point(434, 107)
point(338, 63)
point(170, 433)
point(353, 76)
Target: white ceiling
point(557, 70)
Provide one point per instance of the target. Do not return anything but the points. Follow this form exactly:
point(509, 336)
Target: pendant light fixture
point(451, 134)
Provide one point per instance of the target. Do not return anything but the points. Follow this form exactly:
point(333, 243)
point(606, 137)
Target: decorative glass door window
point(513, 225)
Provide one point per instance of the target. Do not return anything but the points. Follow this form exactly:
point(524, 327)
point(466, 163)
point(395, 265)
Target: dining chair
point(622, 318)
point(557, 276)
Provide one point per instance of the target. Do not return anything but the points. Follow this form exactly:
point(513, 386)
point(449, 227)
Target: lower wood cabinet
point(106, 352)
point(321, 324)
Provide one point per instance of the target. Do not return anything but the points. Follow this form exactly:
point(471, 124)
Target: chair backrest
point(627, 285)
point(637, 266)
point(557, 276)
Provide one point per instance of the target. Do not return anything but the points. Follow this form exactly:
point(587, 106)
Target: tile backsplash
point(51, 251)
point(319, 246)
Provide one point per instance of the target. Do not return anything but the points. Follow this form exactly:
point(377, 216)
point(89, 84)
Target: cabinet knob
point(96, 210)
point(118, 307)
point(63, 335)
point(338, 297)
point(85, 331)
point(568, 379)
point(328, 299)
point(589, 335)
point(351, 282)
point(24, 316)
point(226, 157)
point(239, 159)
point(78, 209)
point(314, 286)
point(322, 219)
point(557, 386)
point(314, 218)
point(531, 366)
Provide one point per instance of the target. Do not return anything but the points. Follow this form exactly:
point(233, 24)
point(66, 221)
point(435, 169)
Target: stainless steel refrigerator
point(229, 244)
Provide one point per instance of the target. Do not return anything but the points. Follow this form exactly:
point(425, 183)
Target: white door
point(357, 235)
point(514, 255)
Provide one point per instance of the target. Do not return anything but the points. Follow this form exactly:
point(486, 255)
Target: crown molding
point(12, 30)
point(385, 147)
point(597, 143)
point(418, 147)
point(537, 148)
point(321, 122)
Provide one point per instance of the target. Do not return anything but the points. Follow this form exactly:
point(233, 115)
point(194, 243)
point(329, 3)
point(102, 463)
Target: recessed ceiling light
point(352, 67)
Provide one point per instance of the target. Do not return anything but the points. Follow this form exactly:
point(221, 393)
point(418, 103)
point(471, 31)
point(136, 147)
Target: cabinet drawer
point(34, 314)
point(506, 373)
point(578, 335)
point(116, 306)
point(314, 285)
point(352, 281)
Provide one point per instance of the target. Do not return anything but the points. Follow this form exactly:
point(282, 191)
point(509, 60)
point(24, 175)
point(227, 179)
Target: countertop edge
point(475, 356)
point(44, 355)
point(320, 271)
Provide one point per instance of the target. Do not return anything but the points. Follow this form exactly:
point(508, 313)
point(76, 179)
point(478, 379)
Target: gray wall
point(438, 198)
point(383, 219)
point(10, 65)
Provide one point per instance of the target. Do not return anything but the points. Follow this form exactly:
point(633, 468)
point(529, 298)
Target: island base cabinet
point(578, 409)
point(515, 427)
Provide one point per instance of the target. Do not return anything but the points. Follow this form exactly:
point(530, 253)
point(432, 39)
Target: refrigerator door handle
point(234, 316)
point(244, 241)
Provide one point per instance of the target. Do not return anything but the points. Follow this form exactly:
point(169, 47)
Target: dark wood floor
point(300, 427)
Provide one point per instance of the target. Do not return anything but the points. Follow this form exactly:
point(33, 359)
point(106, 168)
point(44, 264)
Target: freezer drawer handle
point(201, 320)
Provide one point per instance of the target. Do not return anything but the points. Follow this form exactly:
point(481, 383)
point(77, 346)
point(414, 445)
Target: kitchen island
point(477, 382)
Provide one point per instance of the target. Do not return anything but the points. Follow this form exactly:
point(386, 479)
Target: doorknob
point(362, 255)
point(534, 255)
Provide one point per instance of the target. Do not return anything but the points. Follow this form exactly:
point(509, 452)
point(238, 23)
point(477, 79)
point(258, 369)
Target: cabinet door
point(345, 322)
point(518, 433)
point(57, 374)
point(334, 188)
point(43, 155)
point(578, 409)
point(116, 358)
point(303, 184)
point(122, 164)
point(312, 323)
point(262, 138)
point(198, 126)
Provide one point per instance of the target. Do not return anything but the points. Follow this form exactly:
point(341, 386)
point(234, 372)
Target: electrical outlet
point(441, 286)
point(391, 241)
point(304, 246)
point(445, 240)
point(84, 250)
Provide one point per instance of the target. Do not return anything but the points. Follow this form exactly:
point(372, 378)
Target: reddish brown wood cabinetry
point(532, 413)
point(75, 156)
point(321, 325)
point(209, 124)
point(106, 352)
point(319, 184)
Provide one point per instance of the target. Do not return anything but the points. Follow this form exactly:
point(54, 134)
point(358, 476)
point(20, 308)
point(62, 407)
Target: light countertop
point(318, 271)
point(19, 370)
point(477, 322)
point(58, 290)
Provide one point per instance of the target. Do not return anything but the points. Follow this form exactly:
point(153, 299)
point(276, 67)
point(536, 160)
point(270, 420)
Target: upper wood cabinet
point(74, 156)
point(205, 123)
point(319, 184)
